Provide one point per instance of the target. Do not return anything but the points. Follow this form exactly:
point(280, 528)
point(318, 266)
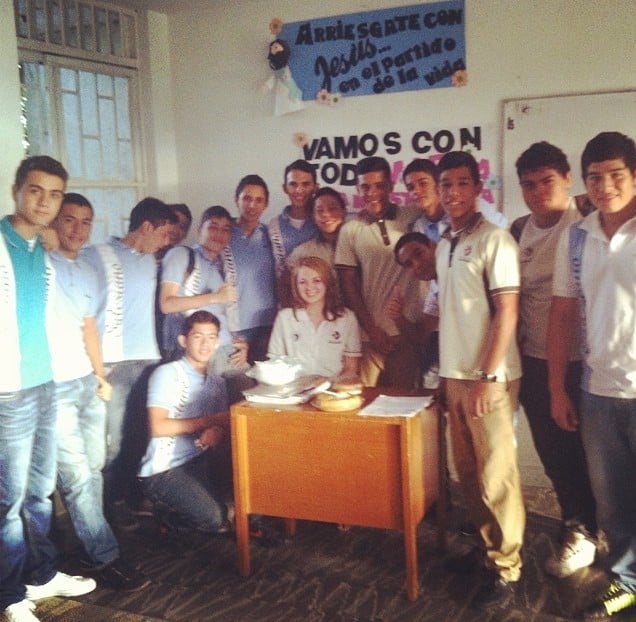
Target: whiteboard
point(568, 122)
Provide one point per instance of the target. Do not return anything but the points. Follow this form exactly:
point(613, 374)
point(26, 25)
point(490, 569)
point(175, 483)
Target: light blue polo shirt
point(76, 299)
point(129, 300)
point(29, 269)
point(432, 230)
point(256, 275)
point(185, 394)
point(205, 278)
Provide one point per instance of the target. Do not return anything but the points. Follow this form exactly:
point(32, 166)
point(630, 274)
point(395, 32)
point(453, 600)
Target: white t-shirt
point(608, 280)
point(537, 248)
point(320, 349)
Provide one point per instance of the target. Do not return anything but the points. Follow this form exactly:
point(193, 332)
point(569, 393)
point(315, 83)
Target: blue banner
point(401, 49)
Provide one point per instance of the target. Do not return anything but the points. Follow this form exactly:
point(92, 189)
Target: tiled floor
point(326, 575)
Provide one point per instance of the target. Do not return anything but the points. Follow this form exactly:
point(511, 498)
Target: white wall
point(11, 149)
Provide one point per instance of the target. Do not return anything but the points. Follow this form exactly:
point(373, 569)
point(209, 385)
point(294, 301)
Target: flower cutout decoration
point(323, 97)
point(275, 26)
point(326, 98)
point(300, 139)
point(460, 78)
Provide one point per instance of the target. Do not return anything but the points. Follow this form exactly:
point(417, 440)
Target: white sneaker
point(61, 585)
point(20, 612)
point(575, 553)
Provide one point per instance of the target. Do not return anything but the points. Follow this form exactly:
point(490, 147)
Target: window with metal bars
point(81, 28)
point(79, 111)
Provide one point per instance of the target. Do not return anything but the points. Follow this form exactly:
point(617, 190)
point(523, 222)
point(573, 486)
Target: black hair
point(609, 146)
point(199, 317)
point(43, 163)
point(373, 164)
point(329, 192)
point(300, 165)
point(151, 210)
point(278, 60)
point(457, 159)
point(182, 208)
point(422, 165)
point(77, 199)
point(411, 236)
point(251, 180)
point(540, 155)
point(215, 211)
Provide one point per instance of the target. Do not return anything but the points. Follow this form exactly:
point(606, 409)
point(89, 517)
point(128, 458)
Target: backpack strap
point(575, 251)
point(517, 227)
point(278, 248)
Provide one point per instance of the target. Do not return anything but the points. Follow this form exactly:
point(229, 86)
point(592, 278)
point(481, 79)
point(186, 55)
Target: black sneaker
point(119, 575)
point(469, 563)
point(495, 593)
point(615, 599)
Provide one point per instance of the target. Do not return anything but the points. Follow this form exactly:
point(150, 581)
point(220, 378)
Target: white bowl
point(276, 372)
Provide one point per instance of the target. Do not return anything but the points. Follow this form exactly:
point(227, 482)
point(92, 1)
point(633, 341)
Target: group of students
point(544, 314)
point(88, 326)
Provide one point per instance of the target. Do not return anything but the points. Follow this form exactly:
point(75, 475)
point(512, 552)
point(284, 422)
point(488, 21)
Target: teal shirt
point(29, 269)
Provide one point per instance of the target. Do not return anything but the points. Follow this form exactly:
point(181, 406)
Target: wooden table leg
point(442, 501)
point(241, 493)
point(243, 543)
point(409, 513)
point(410, 547)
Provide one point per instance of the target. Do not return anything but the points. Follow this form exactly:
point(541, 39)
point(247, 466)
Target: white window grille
point(85, 29)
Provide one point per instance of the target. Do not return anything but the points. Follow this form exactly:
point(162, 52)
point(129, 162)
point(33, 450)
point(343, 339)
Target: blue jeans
point(81, 449)
point(608, 428)
point(126, 427)
point(27, 480)
point(190, 492)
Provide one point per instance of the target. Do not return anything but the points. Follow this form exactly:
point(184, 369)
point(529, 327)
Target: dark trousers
point(561, 452)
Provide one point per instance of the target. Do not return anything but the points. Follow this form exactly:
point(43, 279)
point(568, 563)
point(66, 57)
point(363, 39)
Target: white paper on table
point(396, 406)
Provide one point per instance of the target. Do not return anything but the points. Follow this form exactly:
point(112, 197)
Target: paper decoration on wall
point(287, 96)
point(326, 98)
point(404, 48)
point(460, 78)
point(300, 139)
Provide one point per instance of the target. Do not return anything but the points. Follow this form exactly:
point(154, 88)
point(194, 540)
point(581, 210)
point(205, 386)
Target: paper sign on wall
point(400, 49)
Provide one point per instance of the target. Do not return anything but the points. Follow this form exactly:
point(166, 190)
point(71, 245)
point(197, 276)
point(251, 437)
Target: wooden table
point(297, 462)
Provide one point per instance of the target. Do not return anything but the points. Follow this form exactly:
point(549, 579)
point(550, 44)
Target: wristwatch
point(483, 376)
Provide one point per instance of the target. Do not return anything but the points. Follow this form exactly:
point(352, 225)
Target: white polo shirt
point(608, 280)
point(319, 349)
point(484, 264)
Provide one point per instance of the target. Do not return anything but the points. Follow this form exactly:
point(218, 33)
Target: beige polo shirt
point(484, 263)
